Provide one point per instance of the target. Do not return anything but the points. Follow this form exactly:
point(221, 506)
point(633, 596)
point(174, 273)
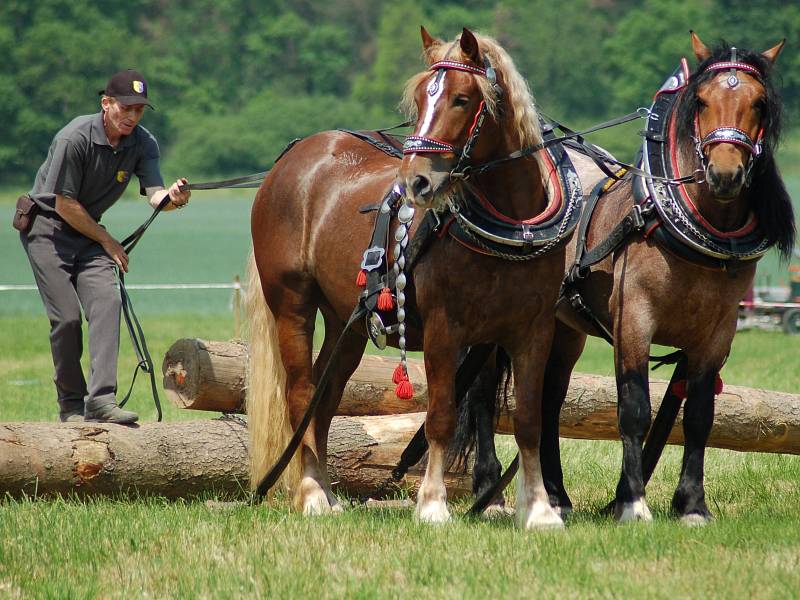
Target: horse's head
point(732, 110)
point(457, 107)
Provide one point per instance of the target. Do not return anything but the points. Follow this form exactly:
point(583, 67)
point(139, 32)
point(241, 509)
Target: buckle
point(638, 216)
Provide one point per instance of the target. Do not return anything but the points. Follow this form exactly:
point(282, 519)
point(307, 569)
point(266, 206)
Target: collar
point(98, 134)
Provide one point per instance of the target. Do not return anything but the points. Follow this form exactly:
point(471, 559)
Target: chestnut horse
point(660, 288)
point(308, 239)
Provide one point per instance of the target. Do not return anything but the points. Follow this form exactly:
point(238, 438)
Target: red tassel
point(679, 388)
point(385, 301)
point(361, 278)
point(404, 389)
point(398, 374)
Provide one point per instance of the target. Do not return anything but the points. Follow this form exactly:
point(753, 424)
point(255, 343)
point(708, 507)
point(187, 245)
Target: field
point(155, 548)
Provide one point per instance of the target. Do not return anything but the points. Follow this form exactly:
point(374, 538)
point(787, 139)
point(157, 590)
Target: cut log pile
point(194, 458)
point(191, 458)
point(198, 373)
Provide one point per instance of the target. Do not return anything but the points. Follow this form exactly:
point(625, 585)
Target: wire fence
point(235, 286)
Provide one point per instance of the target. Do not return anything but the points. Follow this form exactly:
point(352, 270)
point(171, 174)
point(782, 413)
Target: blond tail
point(268, 415)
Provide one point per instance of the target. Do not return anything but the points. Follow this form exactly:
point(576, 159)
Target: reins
point(144, 360)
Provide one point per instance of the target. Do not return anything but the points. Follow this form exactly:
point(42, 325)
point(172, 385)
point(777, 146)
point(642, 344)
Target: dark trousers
point(73, 272)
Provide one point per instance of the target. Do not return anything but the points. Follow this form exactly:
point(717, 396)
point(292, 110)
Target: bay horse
point(308, 238)
point(677, 281)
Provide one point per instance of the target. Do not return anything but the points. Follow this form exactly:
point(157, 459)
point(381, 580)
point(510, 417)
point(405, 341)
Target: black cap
point(128, 87)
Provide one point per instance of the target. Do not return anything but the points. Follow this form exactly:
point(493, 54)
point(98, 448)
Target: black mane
point(770, 200)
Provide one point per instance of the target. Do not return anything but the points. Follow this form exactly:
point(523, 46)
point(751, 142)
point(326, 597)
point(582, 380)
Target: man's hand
point(76, 216)
point(178, 198)
point(115, 250)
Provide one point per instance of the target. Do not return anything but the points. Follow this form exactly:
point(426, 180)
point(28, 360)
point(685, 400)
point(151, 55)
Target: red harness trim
point(550, 210)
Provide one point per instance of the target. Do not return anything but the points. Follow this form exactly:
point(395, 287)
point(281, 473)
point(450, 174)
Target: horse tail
point(267, 409)
point(484, 400)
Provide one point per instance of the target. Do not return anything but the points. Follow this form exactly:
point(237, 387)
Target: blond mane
point(517, 95)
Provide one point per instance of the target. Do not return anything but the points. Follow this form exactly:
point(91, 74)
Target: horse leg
point(344, 364)
point(487, 468)
point(441, 355)
point(566, 349)
point(633, 412)
point(533, 505)
point(698, 416)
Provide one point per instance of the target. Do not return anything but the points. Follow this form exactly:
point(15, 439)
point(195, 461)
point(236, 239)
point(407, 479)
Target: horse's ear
point(469, 46)
point(772, 54)
point(701, 51)
point(428, 42)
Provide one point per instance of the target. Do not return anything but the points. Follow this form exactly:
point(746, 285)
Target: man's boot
point(70, 411)
point(109, 413)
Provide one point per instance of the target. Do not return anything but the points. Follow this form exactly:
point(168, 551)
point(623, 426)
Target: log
point(187, 459)
point(207, 375)
point(746, 419)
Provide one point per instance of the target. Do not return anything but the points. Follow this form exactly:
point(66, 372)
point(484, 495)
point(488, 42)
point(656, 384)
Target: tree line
point(235, 80)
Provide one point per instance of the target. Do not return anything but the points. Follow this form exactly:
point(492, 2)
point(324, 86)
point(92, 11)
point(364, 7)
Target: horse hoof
point(434, 512)
point(541, 516)
point(563, 511)
point(695, 520)
point(633, 511)
point(313, 499)
point(496, 511)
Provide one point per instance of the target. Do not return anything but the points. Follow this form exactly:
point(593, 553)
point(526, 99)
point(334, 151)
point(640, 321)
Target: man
point(73, 257)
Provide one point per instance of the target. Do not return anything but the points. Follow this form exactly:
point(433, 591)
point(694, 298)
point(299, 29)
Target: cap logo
point(138, 87)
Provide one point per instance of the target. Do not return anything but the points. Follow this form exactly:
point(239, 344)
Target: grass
point(111, 548)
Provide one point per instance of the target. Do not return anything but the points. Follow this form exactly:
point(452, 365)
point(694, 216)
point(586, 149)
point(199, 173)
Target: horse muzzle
point(725, 184)
point(425, 186)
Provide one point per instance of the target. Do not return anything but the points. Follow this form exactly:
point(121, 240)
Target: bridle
point(419, 144)
point(730, 134)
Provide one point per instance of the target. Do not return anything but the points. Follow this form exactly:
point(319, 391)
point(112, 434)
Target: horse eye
point(701, 104)
point(460, 101)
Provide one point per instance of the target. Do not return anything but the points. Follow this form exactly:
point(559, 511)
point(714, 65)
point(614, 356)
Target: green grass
point(110, 548)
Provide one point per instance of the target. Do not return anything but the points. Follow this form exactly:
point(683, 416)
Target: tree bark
point(746, 419)
point(190, 458)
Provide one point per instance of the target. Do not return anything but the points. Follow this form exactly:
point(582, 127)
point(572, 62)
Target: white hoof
point(434, 511)
point(694, 520)
point(633, 511)
point(313, 498)
point(541, 516)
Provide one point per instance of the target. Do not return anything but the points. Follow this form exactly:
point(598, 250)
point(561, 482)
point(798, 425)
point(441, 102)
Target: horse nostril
point(739, 177)
point(713, 177)
point(421, 186)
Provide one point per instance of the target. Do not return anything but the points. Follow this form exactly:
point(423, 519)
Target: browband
point(735, 66)
point(458, 66)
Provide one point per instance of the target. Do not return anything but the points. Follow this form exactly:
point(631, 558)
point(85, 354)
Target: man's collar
point(98, 134)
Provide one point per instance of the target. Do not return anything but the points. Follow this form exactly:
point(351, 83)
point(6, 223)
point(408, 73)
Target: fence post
point(237, 307)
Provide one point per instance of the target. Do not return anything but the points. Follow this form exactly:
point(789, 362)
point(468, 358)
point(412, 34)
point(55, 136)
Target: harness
point(662, 209)
point(676, 223)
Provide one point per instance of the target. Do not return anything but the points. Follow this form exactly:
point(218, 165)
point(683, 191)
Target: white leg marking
point(432, 496)
point(694, 520)
point(633, 511)
point(533, 505)
point(313, 499)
